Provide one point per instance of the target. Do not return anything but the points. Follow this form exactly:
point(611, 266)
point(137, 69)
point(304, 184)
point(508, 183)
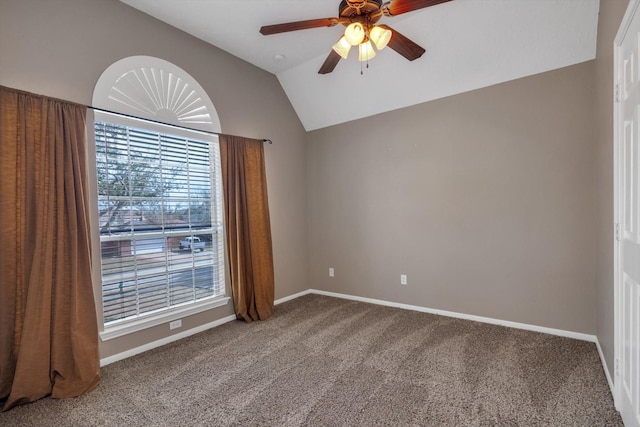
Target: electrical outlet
point(331, 272)
point(403, 279)
point(175, 324)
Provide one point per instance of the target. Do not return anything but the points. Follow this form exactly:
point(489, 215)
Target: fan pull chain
point(367, 66)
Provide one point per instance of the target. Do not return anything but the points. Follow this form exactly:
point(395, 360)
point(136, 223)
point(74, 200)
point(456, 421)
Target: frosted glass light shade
point(380, 37)
point(366, 51)
point(354, 33)
point(342, 47)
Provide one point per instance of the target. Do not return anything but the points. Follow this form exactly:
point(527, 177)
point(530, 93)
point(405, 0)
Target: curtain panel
point(247, 227)
point(48, 322)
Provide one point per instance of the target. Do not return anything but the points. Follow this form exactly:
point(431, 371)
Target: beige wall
point(611, 13)
point(485, 200)
point(59, 48)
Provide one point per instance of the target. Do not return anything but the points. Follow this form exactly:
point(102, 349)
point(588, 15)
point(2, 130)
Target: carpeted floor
point(322, 361)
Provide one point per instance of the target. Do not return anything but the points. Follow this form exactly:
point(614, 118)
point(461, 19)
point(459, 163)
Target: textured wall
point(611, 13)
point(59, 48)
point(485, 200)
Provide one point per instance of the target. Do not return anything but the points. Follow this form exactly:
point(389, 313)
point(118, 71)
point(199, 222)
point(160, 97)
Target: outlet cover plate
point(175, 324)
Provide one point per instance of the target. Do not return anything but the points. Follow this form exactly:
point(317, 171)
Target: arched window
point(159, 195)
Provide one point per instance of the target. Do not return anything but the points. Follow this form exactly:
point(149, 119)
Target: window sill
point(129, 326)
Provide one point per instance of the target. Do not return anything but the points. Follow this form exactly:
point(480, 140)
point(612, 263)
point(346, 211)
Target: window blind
point(160, 219)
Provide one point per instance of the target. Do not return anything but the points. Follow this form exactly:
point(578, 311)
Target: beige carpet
point(323, 361)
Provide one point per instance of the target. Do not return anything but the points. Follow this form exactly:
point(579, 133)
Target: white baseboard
point(290, 297)
point(525, 326)
point(184, 334)
point(193, 331)
point(606, 370)
point(166, 340)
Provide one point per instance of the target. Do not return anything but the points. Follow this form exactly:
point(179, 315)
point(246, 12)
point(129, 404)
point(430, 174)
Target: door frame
point(632, 9)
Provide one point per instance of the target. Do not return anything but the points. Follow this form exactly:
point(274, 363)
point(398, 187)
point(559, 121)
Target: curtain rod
point(209, 132)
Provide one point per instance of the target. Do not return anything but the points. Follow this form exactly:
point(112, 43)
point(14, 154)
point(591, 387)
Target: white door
point(628, 216)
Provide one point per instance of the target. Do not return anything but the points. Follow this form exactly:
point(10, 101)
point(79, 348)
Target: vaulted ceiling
point(469, 44)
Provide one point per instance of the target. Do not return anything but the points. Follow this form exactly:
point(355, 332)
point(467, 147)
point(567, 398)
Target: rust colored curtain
point(48, 325)
point(247, 226)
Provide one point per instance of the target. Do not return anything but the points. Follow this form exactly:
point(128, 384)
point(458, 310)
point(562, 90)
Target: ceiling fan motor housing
point(360, 10)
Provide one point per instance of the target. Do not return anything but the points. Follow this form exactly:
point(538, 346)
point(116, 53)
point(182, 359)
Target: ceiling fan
point(360, 18)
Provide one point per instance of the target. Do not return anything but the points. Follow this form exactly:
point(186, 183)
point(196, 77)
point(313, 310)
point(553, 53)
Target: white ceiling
point(469, 44)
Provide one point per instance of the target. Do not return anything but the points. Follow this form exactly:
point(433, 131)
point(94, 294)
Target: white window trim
point(119, 328)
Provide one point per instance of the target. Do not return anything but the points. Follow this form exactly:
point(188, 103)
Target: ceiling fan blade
point(403, 45)
point(298, 25)
point(397, 7)
point(330, 63)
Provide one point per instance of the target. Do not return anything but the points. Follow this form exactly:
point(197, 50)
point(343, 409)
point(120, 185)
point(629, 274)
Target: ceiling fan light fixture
point(380, 37)
point(366, 51)
point(342, 47)
point(354, 33)
point(359, 18)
